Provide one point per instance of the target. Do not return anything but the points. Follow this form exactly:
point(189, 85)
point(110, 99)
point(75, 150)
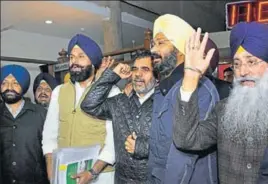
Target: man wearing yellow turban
point(166, 163)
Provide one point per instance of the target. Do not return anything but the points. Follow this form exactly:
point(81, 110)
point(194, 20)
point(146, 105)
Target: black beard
point(166, 66)
point(81, 76)
point(7, 98)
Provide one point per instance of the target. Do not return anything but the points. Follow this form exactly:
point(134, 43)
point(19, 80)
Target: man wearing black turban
point(21, 126)
point(43, 87)
point(238, 125)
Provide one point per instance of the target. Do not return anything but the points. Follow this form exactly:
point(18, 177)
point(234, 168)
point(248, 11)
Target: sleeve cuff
point(49, 149)
point(185, 96)
point(107, 157)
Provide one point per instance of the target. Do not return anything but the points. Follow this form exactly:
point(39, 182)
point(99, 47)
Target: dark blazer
point(22, 159)
point(127, 115)
point(238, 163)
point(263, 179)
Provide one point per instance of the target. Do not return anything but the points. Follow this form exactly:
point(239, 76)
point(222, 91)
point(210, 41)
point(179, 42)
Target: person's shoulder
point(38, 108)
point(220, 106)
point(206, 84)
point(57, 89)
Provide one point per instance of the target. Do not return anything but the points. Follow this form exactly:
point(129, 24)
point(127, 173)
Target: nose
point(10, 87)
point(154, 49)
point(244, 70)
point(138, 73)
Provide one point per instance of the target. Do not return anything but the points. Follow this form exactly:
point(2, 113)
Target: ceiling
point(70, 16)
point(209, 15)
point(68, 20)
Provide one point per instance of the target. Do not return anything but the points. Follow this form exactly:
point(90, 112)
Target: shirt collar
point(147, 96)
point(76, 84)
point(169, 82)
point(18, 110)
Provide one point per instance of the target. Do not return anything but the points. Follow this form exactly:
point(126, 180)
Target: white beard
point(245, 118)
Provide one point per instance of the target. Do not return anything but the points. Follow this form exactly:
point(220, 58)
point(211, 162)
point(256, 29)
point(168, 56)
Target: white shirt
point(145, 97)
point(185, 95)
point(51, 126)
point(17, 111)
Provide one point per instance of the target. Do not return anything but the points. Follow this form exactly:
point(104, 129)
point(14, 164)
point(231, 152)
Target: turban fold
point(175, 29)
point(90, 47)
point(20, 74)
point(49, 79)
point(253, 37)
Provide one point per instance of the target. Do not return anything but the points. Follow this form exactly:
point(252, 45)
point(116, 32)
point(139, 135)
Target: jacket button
point(13, 144)
point(14, 127)
point(14, 163)
point(13, 181)
point(249, 165)
point(137, 116)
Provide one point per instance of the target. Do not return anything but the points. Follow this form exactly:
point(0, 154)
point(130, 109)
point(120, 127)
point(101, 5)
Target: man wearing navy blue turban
point(66, 125)
point(21, 125)
point(238, 125)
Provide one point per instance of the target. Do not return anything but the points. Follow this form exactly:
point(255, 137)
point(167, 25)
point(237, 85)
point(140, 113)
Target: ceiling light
point(48, 21)
point(82, 29)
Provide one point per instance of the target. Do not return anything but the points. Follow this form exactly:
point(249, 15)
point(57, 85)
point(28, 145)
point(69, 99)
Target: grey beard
point(147, 88)
point(245, 119)
point(167, 65)
point(44, 104)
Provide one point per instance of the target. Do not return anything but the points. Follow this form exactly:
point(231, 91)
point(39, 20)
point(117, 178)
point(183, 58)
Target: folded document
point(71, 161)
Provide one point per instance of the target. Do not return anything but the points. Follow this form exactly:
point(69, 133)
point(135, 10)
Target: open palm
point(195, 58)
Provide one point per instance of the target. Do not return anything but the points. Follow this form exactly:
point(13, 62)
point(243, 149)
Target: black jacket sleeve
point(189, 133)
point(96, 103)
point(141, 148)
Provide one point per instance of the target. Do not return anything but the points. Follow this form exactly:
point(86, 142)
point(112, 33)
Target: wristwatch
point(94, 174)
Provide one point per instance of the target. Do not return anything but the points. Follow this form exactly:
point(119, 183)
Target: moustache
point(156, 56)
point(43, 95)
point(11, 92)
point(243, 79)
point(76, 66)
point(138, 80)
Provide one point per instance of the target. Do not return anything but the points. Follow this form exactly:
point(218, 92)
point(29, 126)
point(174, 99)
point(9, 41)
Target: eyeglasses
point(249, 64)
point(142, 69)
point(40, 89)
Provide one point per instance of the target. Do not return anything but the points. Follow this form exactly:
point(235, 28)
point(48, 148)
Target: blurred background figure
point(228, 75)
point(43, 86)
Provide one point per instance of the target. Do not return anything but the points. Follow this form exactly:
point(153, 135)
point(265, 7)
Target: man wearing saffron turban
point(238, 125)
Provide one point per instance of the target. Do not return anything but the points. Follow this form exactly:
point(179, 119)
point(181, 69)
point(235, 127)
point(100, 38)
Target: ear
point(180, 57)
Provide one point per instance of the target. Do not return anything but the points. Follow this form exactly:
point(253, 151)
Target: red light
point(263, 11)
point(233, 14)
point(246, 11)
